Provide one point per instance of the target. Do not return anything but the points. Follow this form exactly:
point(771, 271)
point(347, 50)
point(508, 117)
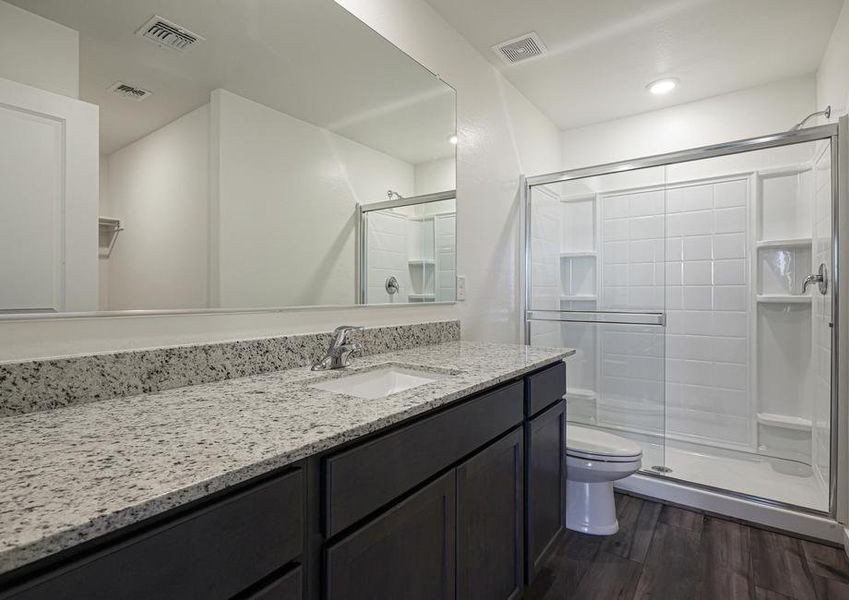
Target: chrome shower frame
point(838, 136)
point(361, 270)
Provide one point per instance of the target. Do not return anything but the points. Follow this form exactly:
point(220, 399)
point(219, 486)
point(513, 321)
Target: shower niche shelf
point(783, 319)
point(783, 299)
point(785, 243)
point(785, 422)
point(581, 405)
point(578, 252)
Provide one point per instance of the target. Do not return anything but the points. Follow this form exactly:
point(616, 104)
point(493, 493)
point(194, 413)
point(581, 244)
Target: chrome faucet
point(340, 350)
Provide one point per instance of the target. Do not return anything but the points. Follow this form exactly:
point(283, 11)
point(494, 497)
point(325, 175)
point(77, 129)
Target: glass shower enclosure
point(699, 290)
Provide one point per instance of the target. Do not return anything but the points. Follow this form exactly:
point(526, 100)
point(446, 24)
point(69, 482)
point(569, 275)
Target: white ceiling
point(308, 58)
point(604, 52)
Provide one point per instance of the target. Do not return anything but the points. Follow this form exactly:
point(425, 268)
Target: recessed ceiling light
point(453, 139)
point(662, 86)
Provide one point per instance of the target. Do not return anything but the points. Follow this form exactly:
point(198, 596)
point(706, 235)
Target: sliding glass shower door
point(597, 284)
point(697, 289)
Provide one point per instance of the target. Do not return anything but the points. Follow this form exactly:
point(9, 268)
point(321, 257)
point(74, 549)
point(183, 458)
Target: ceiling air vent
point(520, 49)
point(125, 90)
point(168, 34)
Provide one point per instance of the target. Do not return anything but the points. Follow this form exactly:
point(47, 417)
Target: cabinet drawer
point(545, 388)
point(366, 477)
point(213, 552)
point(287, 587)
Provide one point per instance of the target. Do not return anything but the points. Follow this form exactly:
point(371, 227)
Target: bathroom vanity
point(451, 489)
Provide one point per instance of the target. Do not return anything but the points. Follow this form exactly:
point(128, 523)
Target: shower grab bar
point(598, 317)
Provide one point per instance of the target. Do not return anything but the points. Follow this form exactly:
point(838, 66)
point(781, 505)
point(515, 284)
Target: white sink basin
point(379, 382)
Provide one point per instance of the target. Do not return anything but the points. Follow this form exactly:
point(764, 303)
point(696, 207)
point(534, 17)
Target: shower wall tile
point(548, 272)
point(731, 245)
point(387, 256)
point(698, 275)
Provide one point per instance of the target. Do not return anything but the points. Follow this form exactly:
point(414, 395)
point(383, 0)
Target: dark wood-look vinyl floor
point(667, 553)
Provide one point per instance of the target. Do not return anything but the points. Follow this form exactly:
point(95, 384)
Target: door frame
point(76, 276)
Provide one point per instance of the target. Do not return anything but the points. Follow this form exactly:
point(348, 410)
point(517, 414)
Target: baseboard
point(810, 526)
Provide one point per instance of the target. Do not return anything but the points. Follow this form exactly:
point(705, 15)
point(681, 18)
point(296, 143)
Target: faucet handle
point(342, 328)
point(341, 332)
point(820, 278)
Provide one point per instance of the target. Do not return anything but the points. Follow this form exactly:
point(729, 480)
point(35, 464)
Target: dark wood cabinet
point(544, 388)
point(407, 552)
point(211, 552)
point(546, 483)
point(490, 521)
point(369, 475)
point(461, 503)
point(285, 587)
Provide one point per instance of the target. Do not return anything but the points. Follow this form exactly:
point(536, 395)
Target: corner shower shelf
point(783, 299)
point(785, 243)
point(579, 394)
point(785, 422)
point(420, 262)
point(579, 298)
point(421, 297)
point(583, 254)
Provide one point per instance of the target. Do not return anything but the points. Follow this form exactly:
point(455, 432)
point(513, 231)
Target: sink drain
point(661, 469)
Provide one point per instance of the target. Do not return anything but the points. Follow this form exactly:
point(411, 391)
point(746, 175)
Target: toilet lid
point(583, 441)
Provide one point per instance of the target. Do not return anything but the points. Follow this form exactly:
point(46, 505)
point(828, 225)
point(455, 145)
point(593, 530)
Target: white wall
point(38, 52)
point(159, 189)
point(833, 72)
point(746, 113)
point(833, 89)
point(435, 176)
point(501, 136)
point(287, 195)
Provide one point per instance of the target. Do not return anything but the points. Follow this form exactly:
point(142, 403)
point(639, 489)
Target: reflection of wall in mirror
point(48, 174)
point(38, 52)
point(282, 210)
point(231, 205)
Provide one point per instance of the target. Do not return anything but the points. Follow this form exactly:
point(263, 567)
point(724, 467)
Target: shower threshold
point(772, 479)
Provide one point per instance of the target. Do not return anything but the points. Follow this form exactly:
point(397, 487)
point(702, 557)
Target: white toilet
point(594, 460)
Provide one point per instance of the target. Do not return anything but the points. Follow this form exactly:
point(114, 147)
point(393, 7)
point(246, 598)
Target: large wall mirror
point(211, 154)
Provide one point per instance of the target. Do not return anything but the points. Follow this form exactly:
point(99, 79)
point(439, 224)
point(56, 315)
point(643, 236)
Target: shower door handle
point(821, 279)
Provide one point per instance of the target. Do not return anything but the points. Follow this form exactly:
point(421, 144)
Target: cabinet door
point(545, 439)
point(490, 522)
point(287, 587)
point(407, 552)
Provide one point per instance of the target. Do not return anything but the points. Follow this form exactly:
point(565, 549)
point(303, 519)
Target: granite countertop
point(72, 474)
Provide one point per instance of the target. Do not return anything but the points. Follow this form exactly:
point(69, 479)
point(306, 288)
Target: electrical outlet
point(461, 288)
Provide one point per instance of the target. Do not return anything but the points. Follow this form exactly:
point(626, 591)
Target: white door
point(48, 201)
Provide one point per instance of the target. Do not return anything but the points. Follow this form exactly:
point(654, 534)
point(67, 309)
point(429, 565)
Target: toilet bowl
point(594, 460)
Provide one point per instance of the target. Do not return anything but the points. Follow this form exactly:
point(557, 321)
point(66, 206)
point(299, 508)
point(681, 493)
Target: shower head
point(826, 113)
